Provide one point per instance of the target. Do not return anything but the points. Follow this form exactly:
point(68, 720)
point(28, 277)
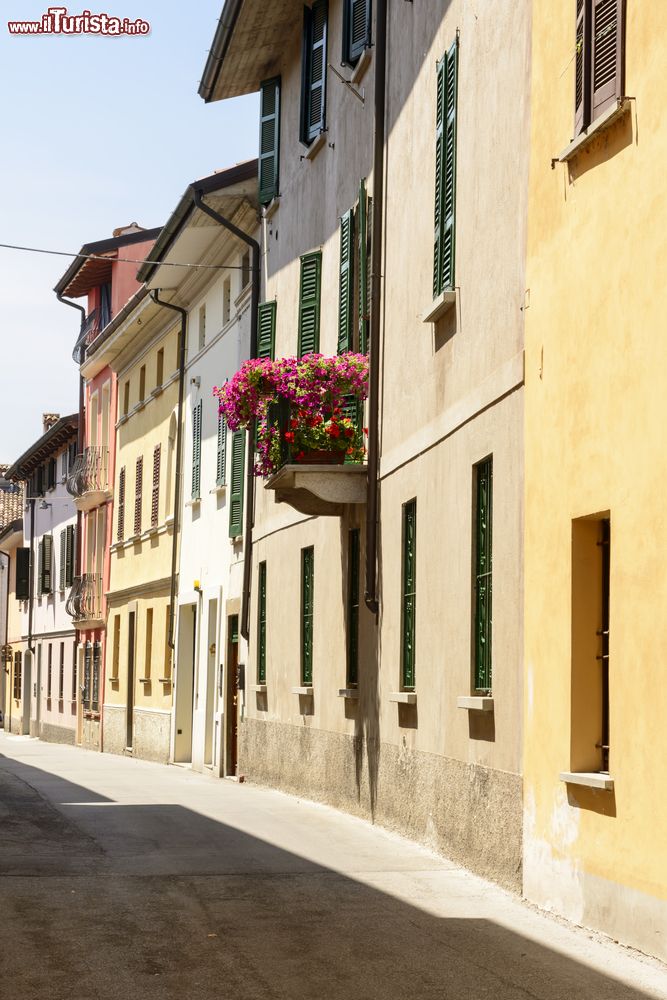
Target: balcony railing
point(84, 603)
point(90, 472)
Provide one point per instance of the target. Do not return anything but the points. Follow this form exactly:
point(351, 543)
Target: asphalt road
point(122, 879)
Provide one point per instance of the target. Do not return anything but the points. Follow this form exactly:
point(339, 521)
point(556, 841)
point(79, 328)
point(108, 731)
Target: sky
point(97, 132)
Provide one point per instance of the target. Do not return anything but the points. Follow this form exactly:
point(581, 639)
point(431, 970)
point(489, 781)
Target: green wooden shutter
point(356, 29)
point(346, 282)
point(314, 76)
point(483, 575)
point(364, 275)
point(46, 559)
point(261, 624)
point(266, 330)
point(196, 451)
point(221, 467)
point(445, 173)
point(121, 505)
point(69, 556)
point(353, 608)
point(307, 585)
point(63, 558)
point(236, 499)
point(269, 140)
point(409, 594)
point(309, 303)
point(22, 574)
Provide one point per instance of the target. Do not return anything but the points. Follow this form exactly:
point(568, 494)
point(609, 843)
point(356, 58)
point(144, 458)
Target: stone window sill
point(259, 688)
point(270, 210)
point(157, 391)
point(589, 779)
point(403, 697)
point(351, 693)
point(601, 123)
point(361, 67)
point(220, 489)
point(475, 703)
point(305, 691)
point(440, 306)
point(315, 146)
point(195, 502)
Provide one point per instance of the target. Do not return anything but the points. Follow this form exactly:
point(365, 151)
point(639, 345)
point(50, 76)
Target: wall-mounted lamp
point(195, 380)
point(44, 505)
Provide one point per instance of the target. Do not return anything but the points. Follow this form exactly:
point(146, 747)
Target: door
point(232, 713)
point(185, 682)
point(129, 716)
point(210, 682)
point(27, 692)
point(38, 692)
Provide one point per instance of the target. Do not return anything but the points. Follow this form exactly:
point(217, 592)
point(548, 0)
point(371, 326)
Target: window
point(196, 450)
point(120, 534)
point(483, 575)
point(309, 303)
point(51, 473)
point(591, 578)
point(61, 673)
point(353, 607)
point(445, 173)
point(261, 624)
point(18, 675)
point(245, 270)
point(75, 671)
point(599, 59)
point(63, 465)
point(126, 398)
point(66, 574)
point(307, 586)
point(45, 564)
point(314, 71)
point(148, 658)
point(222, 451)
point(115, 663)
point(269, 140)
point(95, 692)
point(408, 595)
point(22, 574)
point(202, 327)
point(354, 276)
point(346, 282)
point(138, 499)
point(266, 340)
point(167, 647)
point(49, 672)
point(87, 670)
point(155, 498)
point(236, 498)
point(142, 383)
point(226, 300)
point(356, 29)
point(63, 558)
point(159, 375)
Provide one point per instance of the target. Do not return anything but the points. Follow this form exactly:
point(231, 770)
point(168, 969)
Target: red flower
point(349, 451)
point(333, 431)
point(294, 424)
point(289, 436)
point(365, 429)
point(349, 432)
point(299, 455)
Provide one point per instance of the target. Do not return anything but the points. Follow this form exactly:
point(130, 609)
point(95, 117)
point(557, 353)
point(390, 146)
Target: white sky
point(96, 133)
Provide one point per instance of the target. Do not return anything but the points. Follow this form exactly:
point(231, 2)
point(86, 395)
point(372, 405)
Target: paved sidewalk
point(121, 878)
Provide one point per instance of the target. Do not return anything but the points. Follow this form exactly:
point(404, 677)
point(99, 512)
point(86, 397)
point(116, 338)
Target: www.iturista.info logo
point(56, 21)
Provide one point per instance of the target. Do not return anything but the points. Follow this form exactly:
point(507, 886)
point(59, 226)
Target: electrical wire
point(124, 260)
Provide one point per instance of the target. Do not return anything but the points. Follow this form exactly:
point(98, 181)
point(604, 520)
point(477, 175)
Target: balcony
point(84, 604)
point(88, 480)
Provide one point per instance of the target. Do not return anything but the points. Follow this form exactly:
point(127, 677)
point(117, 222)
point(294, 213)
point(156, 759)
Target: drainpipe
point(5, 644)
point(250, 478)
point(179, 441)
point(370, 595)
point(31, 599)
point(80, 432)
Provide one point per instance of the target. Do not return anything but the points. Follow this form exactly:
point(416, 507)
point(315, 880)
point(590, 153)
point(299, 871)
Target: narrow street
point(123, 878)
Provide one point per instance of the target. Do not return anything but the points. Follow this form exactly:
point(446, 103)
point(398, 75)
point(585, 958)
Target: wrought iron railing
point(85, 600)
point(90, 472)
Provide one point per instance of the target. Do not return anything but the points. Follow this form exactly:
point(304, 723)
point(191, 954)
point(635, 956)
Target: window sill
point(112, 680)
point(305, 692)
point(475, 703)
point(164, 680)
point(157, 391)
point(270, 210)
point(589, 779)
point(361, 67)
point(195, 502)
point(315, 146)
point(351, 693)
point(121, 420)
point(144, 680)
point(222, 488)
point(604, 121)
point(258, 688)
point(403, 697)
point(440, 306)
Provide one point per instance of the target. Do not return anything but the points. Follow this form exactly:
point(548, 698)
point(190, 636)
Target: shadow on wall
point(188, 906)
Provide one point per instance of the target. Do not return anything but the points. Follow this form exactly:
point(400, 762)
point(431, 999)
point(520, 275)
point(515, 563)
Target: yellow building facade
point(595, 802)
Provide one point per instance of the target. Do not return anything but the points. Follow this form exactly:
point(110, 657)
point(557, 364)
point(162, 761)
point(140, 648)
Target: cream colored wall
point(595, 413)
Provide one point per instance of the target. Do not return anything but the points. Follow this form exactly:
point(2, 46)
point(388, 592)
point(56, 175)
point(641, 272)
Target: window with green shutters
point(354, 276)
point(314, 71)
point(307, 585)
point(356, 29)
point(353, 608)
point(363, 276)
point(409, 594)
point(236, 498)
point(63, 558)
point(22, 574)
point(269, 139)
point(221, 464)
point(70, 555)
point(261, 624)
point(196, 451)
point(483, 569)
point(346, 283)
point(266, 329)
point(45, 564)
point(309, 303)
point(444, 252)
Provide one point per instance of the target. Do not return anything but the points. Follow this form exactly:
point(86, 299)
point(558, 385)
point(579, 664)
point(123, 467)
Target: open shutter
point(222, 451)
point(63, 558)
point(121, 505)
point(155, 498)
point(309, 303)
point(138, 498)
point(266, 332)
point(357, 25)
point(607, 60)
point(315, 65)
point(346, 283)
point(307, 604)
point(364, 270)
point(582, 65)
point(46, 554)
point(69, 556)
point(196, 451)
point(439, 175)
point(269, 140)
point(236, 499)
point(22, 574)
point(449, 192)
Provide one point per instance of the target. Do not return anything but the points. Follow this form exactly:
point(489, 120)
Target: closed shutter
point(483, 576)
point(63, 558)
point(269, 140)
point(356, 29)
point(236, 499)
point(309, 303)
point(266, 330)
point(307, 604)
point(409, 594)
point(121, 505)
point(138, 495)
point(51, 473)
point(261, 624)
point(364, 270)
point(346, 282)
point(45, 561)
point(221, 467)
point(87, 670)
point(353, 608)
point(155, 498)
point(196, 451)
point(22, 574)
point(582, 65)
point(607, 56)
point(445, 173)
point(69, 555)
point(314, 71)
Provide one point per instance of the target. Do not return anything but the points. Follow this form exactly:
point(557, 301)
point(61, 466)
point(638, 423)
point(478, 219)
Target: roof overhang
point(134, 324)
point(249, 40)
point(44, 448)
point(11, 536)
point(84, 273)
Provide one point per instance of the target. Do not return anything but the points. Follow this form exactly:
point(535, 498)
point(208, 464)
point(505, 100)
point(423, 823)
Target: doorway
point(232, 712)
point(210, 682)
point(129, 714)
point(27, 692)
point(185, 682)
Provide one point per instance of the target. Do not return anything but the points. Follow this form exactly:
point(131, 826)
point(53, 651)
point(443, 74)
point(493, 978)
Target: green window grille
point(269, 139)
point(353, 608)
point(307, 585)
point(356, 29)
point(409, 594)
point(483, 574)
point(221, 465)
point(346, 282)
point(236, 498)
point(314, 71)
point(445, 173)
point(261, 624)
point(196, 450)
point(266, 330)
point(309, 303)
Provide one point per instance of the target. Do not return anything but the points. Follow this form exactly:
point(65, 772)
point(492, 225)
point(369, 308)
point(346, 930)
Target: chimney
point(133, 227)
point(49, 419)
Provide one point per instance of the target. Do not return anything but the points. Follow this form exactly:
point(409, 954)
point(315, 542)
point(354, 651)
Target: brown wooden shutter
point(155, 501)
point(139, 481)
point(607, 55)
point(121, 505)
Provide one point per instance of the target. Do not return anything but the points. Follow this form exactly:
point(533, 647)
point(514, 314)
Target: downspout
point(31, 598)
point(250, 478)
point(5, 644)
point(370, 595)
point(81, 432)
point(179, 441)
